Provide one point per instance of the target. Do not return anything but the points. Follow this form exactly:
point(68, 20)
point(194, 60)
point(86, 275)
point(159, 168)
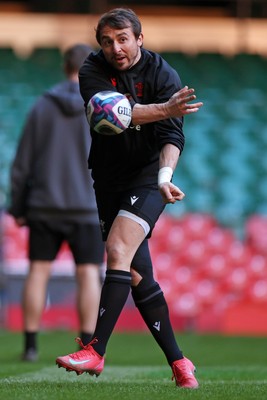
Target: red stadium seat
point(163, 265)
point(238, 280)
point(207, 291)
point(239, 253)
point(216, 266)
point(219, 240)
point(187, 305)
point(258, 290)
point(195, 253)
point(197, 226)
point(257, 266)
point(256, 233)
point(183, 278)
point(176, 239)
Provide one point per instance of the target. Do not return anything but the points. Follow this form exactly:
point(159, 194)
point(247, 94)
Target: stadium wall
point(24, 32)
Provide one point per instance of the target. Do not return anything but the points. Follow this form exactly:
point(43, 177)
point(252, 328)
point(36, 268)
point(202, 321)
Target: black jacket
point(49, 175)
point(131, 158)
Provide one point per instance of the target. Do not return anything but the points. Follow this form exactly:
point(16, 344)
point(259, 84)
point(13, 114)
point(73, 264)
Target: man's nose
point(116, 47)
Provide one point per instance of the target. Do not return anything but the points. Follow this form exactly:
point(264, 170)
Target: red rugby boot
point(85, 360)
point(183, 373)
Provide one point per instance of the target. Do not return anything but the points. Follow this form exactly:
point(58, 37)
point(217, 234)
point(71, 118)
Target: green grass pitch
point(233, 368)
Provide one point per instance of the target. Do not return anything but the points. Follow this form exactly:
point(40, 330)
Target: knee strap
point(145, 295)
point(117, 276)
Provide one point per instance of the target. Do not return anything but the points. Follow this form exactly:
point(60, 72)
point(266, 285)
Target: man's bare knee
point(136, 277)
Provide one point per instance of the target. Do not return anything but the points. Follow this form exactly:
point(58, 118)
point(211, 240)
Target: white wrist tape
point(165, 175)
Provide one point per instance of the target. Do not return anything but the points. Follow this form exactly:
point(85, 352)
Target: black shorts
point(84, 240)
point(145, 202)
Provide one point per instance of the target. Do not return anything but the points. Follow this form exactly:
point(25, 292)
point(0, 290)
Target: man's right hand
point(178, 105)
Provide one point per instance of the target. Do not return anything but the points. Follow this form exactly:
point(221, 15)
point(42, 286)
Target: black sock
point(86, 337)
point(30, 340)
point(114, 294)
point(154, 310)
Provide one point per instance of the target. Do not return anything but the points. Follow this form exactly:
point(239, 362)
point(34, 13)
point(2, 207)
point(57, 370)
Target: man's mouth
point(119, 59)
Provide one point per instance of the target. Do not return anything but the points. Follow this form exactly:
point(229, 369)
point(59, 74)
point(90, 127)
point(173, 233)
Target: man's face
point(120, 47)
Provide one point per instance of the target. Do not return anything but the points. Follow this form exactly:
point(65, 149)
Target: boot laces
point(85, 351)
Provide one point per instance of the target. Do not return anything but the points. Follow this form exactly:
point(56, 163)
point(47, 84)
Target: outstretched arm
point(176, 107)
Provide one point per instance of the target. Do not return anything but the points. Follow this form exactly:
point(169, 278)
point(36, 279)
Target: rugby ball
point(109, 113)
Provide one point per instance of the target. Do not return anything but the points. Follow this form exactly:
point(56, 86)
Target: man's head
point(119, 34)
point(73, 58)
point(119, 18)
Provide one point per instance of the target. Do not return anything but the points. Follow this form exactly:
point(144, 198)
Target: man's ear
point(140, 40)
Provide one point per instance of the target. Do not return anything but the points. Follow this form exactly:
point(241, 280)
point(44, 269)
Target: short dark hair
point(119, 18)
point(74, 56)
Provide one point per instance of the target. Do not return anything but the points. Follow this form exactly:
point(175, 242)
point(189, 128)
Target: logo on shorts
point(133, 199)
point(101, 312)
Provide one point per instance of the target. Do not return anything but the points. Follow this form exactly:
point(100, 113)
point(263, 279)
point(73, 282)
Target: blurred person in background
point(52, 193)
point(132, 175)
